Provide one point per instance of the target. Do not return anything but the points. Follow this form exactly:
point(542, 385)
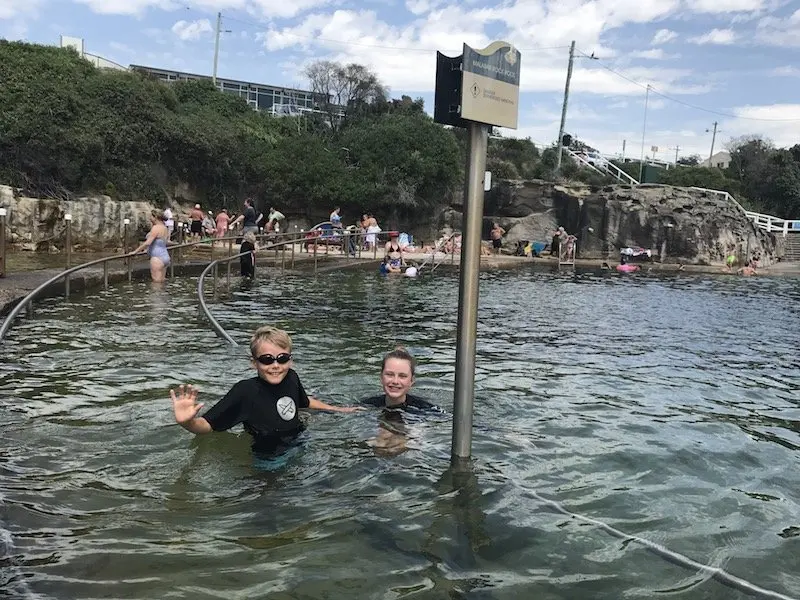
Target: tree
point(704, 177)
point(342, 90)
point(689, 161)
point(521, 154)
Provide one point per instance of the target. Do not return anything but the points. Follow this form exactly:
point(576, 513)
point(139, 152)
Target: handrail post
point(283, 257)
point(215, 281)
point(228, 276)
point(125, 224)
point(785, 227)
point(315, 255)
point(293, 245)
point(2, 242)
point(68, 248)
point(375, 248)
point(105, 275)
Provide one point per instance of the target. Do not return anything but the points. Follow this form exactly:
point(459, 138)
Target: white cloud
point(785, 71)
point(652, 54)
point(726, 6)
point(420, 7)
point(10, 9)
point(780, 32)
point(126, 7)
point(663, 36)
point(716, 36)
point(192, 30)
point(404, 56)
point(784, 133)
point(283, 9)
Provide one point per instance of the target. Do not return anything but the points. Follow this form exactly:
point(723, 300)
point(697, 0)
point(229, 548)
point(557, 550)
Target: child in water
point(247, 262)
point(267, 405)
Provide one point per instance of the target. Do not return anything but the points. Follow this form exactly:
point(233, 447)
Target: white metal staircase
point(604, 167)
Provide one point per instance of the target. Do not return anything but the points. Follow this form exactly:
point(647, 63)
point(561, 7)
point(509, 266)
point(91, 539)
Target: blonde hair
point(270, 334)
point(250, 237)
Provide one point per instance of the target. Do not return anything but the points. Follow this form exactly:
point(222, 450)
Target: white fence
point(762, 221)
point(770, 223)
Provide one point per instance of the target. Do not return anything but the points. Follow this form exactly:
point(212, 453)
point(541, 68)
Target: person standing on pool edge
point(397, 376)
point(267, 405)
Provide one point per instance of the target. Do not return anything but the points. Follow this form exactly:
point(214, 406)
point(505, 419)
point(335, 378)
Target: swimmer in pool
point(267, 405)
point(397, 377)
point(156, 246)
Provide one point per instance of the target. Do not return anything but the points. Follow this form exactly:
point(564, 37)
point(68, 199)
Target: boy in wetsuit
point(267, 405)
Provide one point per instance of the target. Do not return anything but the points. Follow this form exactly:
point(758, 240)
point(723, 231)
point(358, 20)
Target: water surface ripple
point(665, 407)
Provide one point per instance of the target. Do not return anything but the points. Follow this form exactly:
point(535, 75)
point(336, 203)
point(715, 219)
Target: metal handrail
point(219, 330)
point(200, 296)
point(28, 299)
point(436, 249)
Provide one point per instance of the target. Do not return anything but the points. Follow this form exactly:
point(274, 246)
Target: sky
point(731, 62)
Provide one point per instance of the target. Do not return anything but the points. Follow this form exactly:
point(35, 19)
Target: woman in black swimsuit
point(393, 251)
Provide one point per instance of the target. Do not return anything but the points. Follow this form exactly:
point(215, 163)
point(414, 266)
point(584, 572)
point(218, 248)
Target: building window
point(264, 101)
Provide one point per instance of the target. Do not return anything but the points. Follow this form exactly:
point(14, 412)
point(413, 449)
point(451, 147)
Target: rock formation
point(97, 222)
point(678, 224)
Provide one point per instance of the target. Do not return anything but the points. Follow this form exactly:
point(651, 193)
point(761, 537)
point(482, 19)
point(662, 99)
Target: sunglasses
point(268, 359)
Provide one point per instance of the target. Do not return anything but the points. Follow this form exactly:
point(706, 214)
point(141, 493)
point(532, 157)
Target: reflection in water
point(392, 436)
point(657, 406)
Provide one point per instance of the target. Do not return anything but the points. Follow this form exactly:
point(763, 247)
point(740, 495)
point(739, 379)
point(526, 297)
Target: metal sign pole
point(468, 292)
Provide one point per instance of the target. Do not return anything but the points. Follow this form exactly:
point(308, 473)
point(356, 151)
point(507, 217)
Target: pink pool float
point(627, 268)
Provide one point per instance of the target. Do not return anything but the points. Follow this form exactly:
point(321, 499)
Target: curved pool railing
point(27, 301)
point(304, 240)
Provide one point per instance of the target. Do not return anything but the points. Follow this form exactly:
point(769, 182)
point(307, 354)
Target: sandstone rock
point(687, 225)
point(97, 221)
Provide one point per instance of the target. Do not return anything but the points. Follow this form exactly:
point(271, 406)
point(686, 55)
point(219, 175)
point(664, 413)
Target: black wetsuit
point(247, 262)
point(268, 412)
point(411, 402)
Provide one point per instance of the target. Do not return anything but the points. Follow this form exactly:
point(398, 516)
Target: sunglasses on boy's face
point(268, 359)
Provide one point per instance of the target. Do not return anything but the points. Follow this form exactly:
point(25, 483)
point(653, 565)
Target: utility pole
point(644, 129)
point(624, 142)
point(713, 139)
point(677, 148)
point(216, 48)
point(564, 107)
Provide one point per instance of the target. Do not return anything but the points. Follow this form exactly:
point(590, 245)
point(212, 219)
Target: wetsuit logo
point(286, 408)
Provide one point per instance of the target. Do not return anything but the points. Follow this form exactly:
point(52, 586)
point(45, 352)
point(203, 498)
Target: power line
point(689, 104)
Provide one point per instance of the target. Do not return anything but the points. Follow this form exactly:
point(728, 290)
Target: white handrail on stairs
point(760, 220)
point(607, 168)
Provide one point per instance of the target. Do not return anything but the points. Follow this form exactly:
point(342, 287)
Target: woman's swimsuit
point(158, 249)
point(395, 256)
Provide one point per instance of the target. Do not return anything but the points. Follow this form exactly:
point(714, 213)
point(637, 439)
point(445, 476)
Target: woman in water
point(394, 253)
point(156, 246)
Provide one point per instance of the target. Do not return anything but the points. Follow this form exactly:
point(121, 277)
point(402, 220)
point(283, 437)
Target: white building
point(720, 159)
point(98, 61)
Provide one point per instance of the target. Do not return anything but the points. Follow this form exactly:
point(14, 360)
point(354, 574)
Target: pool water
point(667, 407)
